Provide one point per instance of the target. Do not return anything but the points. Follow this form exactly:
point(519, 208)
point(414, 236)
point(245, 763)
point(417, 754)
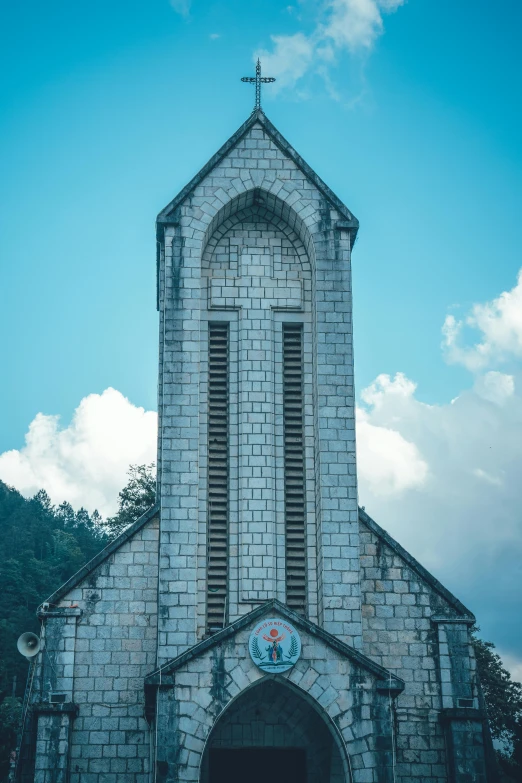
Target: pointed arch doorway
point(271, 732)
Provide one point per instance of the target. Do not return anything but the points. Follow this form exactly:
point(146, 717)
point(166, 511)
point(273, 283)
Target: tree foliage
point(135, 498)
point(503, 697)
point(10, 714)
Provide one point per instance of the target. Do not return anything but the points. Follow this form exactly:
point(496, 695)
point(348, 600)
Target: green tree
point(10, 714)
point(135, 498)
point(503, 697)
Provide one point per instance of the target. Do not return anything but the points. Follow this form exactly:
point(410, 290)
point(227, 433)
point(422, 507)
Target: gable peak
point(258, 119)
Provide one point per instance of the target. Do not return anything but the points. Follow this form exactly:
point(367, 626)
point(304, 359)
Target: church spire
point(258, 80)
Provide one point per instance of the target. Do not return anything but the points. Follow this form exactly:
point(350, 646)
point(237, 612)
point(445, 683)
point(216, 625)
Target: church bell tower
point(256, 450)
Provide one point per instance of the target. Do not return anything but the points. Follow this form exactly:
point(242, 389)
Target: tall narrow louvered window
point(294, 467)
point(218, 500)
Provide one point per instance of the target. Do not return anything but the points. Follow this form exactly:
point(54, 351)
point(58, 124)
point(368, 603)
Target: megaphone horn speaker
point(28, 644)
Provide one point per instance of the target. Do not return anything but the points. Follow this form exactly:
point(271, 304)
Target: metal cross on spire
point(257, 80)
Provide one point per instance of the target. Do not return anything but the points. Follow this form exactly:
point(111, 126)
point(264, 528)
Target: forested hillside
point(40, 547)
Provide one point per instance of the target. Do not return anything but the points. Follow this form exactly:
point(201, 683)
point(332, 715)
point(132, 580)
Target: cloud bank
point(86, 462)
point(444, 480)
point(343, 26)
point(452, 468)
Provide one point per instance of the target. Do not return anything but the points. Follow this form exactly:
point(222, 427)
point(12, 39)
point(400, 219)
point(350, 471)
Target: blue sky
point(108, 108)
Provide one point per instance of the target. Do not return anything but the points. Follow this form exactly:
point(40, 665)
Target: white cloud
point(343, 26)
point(181, 7)
point(444, 479)
point(499, 321)
point(387, 462)
point(495, 386)
point(513, 664)
point(289, 59)
point(86, 462)
point(383, 388)
point(353, 24)
point(214, 36)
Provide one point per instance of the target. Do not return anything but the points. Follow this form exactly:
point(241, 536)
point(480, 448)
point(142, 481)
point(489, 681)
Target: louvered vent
point(217, 518)
point(294, 467)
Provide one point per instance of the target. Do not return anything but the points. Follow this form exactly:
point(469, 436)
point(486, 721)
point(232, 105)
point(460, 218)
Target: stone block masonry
point(336, 702)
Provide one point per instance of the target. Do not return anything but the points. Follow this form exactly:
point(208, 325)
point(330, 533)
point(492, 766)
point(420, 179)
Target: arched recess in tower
point(272, 732)
point(258, 258)
point(261, 206)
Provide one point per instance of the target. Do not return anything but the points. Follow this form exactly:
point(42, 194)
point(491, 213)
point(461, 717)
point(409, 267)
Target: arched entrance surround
point(274, 731)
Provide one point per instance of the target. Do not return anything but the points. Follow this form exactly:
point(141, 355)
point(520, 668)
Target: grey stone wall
point(52, 722)
point(457, 663)
point(99, 657)
point(466, 748)
point(99, 653)
point(53, 733)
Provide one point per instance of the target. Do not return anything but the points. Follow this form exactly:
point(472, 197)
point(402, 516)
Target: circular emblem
point(274, 645)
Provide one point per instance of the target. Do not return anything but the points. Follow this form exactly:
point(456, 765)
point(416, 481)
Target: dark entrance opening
point(271, 734)
point(257, 765)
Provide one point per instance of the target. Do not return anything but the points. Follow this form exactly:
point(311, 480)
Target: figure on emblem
point(275, 651)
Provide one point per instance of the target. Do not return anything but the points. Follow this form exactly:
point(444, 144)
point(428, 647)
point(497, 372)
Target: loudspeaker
point(28, 644)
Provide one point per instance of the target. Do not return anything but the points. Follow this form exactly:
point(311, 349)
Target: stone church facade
point(145, 673)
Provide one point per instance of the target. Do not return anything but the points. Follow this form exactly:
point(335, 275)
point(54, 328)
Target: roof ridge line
point(285, 147)
point(111, 547)
point(414, 564)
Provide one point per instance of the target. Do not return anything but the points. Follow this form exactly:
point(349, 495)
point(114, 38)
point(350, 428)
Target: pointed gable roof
point(166, 216)
point(385, 679)
point(415, 566)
